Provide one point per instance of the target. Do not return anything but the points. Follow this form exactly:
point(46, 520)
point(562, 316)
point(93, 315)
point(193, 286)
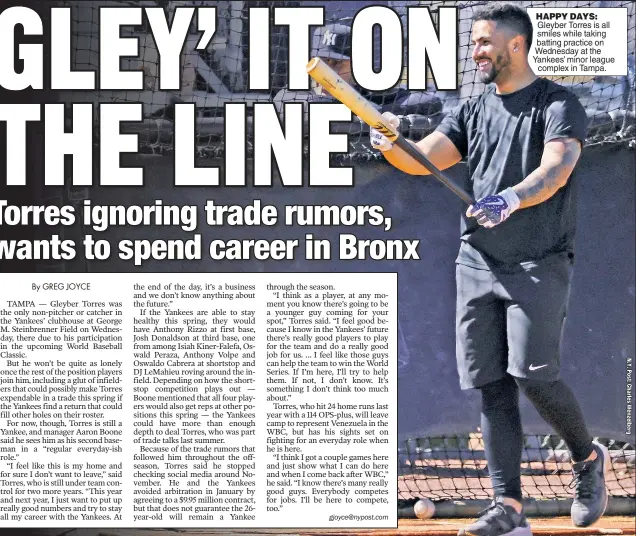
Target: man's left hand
point(494, 209)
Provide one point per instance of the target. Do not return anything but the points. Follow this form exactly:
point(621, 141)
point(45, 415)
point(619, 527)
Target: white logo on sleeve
point(329, 38)
point(532, 367)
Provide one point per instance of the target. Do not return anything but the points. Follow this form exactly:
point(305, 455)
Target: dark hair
point(509, 15)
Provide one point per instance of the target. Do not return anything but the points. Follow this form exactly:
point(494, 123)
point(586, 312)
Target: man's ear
point(518, 43)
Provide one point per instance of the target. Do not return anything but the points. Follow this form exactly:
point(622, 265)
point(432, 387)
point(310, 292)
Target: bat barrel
point(341, 90)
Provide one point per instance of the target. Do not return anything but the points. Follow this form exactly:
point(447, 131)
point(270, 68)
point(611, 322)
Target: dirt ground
point(559, 526)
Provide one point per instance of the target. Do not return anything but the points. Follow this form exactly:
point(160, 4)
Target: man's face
point(341, 67)
point(490, 50)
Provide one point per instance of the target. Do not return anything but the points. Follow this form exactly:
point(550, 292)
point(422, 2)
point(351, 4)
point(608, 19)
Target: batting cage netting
point(218, 74)
point(450, 470)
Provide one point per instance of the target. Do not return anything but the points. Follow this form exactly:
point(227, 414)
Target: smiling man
point(521, 139)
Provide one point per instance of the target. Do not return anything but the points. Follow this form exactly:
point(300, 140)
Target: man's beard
point(502, 61)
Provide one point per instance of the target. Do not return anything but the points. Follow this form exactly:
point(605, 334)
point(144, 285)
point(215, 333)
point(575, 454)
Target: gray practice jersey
point(502, 138)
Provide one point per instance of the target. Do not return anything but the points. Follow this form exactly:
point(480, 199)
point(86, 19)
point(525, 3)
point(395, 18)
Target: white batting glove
point(380, 141)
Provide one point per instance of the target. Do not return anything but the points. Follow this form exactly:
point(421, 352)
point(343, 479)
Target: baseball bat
point(348, 96)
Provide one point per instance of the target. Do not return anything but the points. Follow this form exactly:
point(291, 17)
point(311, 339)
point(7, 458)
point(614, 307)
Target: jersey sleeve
point(565, 117)
point(453, 126)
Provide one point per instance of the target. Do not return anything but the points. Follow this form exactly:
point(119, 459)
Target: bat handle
point(404, 144)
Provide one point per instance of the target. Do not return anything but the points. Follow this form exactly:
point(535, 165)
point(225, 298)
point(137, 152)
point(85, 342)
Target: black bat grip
point(417, 155)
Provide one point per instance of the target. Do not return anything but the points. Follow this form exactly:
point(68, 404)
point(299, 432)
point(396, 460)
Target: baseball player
point(332, 43)
point(521, 139)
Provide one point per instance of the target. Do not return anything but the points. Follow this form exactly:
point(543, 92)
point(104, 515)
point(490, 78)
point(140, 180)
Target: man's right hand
point(380, 141)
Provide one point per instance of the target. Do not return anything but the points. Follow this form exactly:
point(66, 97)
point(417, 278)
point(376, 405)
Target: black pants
point(502, 430)
point(509, 332)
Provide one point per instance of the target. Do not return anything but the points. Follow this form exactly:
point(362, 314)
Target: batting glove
point(494, 209)
point(380, 141)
